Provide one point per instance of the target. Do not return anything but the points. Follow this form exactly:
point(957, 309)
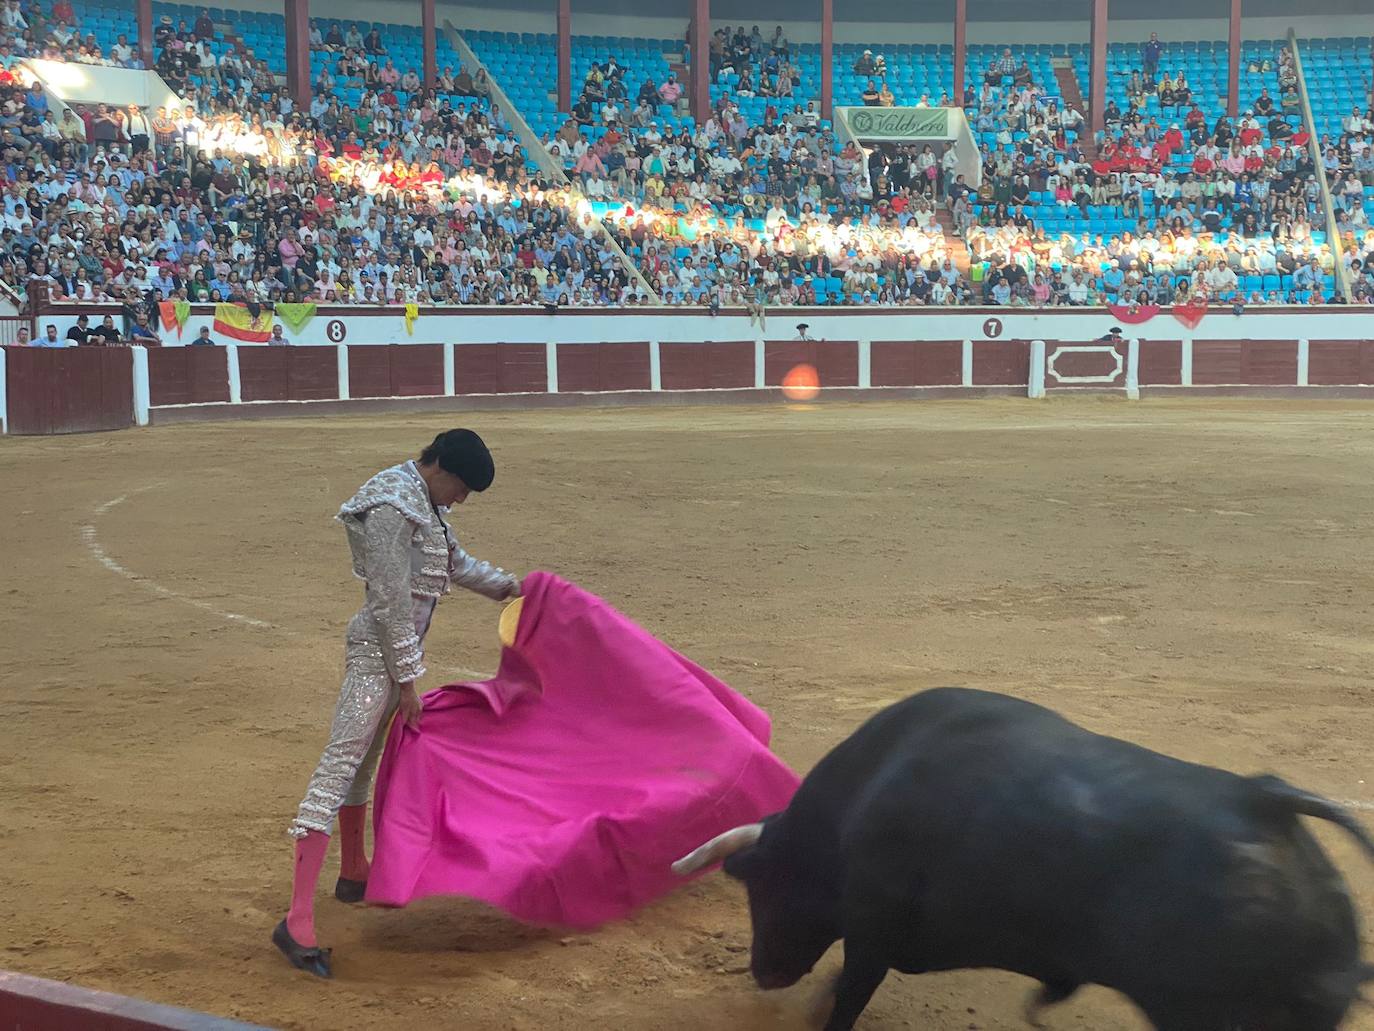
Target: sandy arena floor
point(1192, 575)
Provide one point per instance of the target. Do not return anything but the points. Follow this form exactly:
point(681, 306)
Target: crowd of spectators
point(412, 196)
point(1208, 206)
point(28, 30)
point(240, 197)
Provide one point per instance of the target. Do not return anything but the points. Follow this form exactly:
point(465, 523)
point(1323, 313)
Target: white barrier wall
point(356, 325)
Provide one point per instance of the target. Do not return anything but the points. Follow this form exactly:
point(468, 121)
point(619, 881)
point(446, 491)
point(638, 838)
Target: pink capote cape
point(563, 788)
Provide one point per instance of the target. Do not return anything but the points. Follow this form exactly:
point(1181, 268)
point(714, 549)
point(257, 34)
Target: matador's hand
point(411, 707)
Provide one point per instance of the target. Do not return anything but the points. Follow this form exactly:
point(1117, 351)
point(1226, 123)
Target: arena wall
point(513, 359)
point(36, 1004)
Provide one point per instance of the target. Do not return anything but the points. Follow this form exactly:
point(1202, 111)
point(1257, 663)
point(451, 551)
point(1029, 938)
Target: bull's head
point(791, 905)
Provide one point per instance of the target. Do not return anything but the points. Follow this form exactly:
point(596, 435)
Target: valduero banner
point(896, 124)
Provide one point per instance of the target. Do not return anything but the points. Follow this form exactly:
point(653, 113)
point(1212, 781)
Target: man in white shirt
point(1221, 280)
point(725, 165)
point(208, 67)
point(122, 53)
point(1078, 289)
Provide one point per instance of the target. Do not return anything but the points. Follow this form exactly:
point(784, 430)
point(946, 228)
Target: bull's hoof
point(349, 891)
point(313, 960)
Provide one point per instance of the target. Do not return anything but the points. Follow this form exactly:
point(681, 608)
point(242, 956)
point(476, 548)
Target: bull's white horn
point(718, 848)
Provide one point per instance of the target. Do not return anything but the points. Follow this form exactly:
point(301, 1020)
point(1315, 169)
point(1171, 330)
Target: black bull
point(964, 829)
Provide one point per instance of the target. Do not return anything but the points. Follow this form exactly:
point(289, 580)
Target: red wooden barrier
point(396, 370)
point(69, 389)
point(717, 365)
point(596, 367)
point(1340, 362)
point(289, 373)
point(500, 368)
point(912, 363)
point(1161, 363)
point(35, 1004)
point(1001, 363)
point(187, 375)
point(1246, 362)
point(836, 361)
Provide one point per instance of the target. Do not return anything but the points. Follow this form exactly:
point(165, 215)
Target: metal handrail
point(553, 169)
point(1333, 231)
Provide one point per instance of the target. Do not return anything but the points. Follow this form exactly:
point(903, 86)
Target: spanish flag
point(236, 322)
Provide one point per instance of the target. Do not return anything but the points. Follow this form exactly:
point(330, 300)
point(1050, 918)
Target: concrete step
point(1072, 91)
point(958, 251)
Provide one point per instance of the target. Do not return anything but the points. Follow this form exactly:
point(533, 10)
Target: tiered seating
point(1039, 59)
point(760, 230)
point(914, 70)
point(526, 66)
point(1338, 79)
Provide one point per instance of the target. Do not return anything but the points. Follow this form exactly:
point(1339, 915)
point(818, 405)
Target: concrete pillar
point(960, 50)
point(565, 55)
point(1097, 84)
point(699, 87)
point(431, 56)
point(144, 10)
point(1233, 67)
point(298, 52)
point(827, 57)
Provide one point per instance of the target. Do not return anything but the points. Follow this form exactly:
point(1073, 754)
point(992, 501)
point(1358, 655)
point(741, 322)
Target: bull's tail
point(1281, 795)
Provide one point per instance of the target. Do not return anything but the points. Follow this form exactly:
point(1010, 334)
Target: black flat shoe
point(350, 891)
point(313, 960)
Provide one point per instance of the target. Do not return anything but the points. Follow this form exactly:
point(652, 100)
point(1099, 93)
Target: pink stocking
point(300, 920)
point(352, 829)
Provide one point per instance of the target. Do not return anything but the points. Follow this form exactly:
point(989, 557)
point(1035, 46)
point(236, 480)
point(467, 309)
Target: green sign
point(898, 123)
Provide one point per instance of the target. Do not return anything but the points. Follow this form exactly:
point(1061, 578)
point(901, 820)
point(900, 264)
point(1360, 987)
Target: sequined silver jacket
point(407, 555)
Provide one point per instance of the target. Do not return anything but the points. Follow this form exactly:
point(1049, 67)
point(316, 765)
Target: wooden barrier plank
point(1001, 363)
point(475, 369)
point(417, 370)
point(1269, 363)
point(625, 366)
point(500, 368)
point(187, 375)
point(312, 373)
point(598, 367)
point(579, 368)
point(169, 376)
point(713, 365)
point(262, 373)
point(1216, 361)
point(77, 393)
point(209, 368)
point(522, 368)
point(1340, 362)
point(369, 370)
point(1161, 362)
point(69, 390)
point(836, 361)
point(37, 1004)
point(916, 363)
